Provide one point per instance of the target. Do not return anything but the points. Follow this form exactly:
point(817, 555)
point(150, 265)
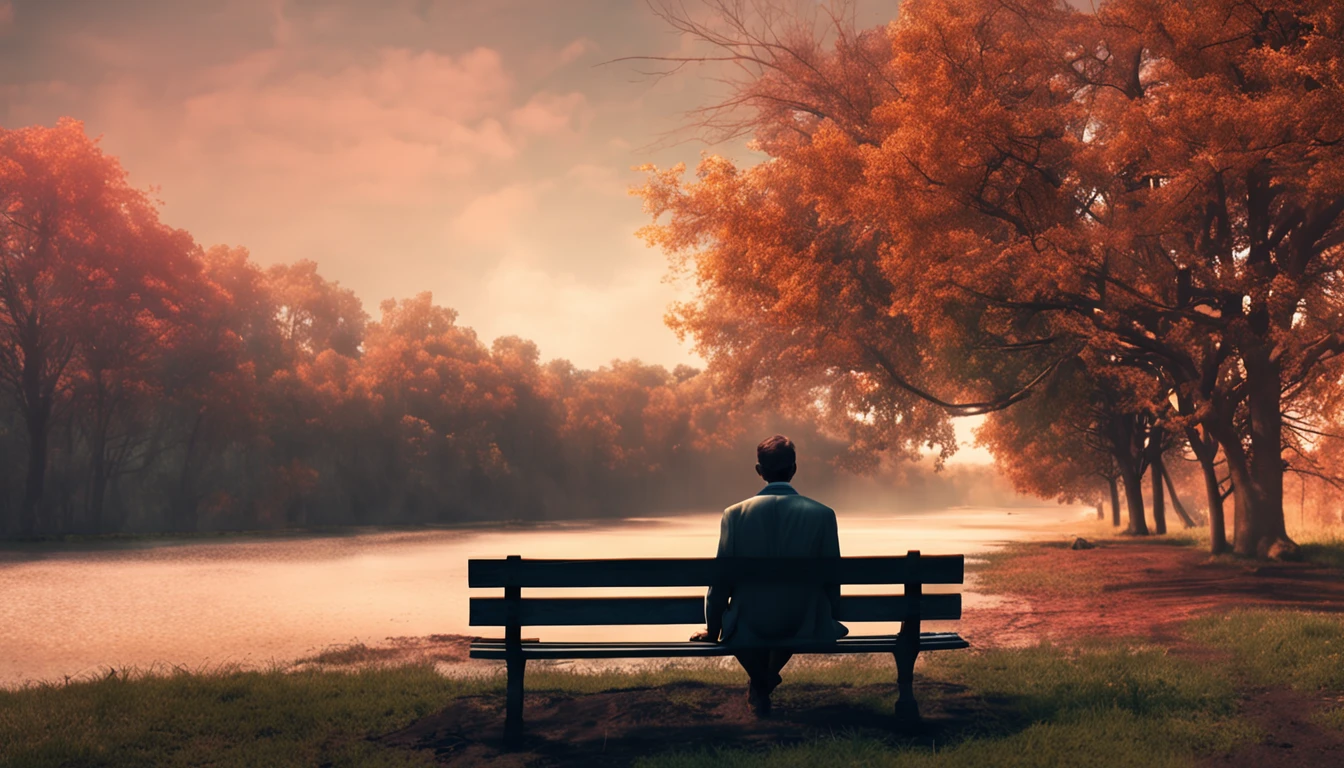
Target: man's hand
point(703, 636)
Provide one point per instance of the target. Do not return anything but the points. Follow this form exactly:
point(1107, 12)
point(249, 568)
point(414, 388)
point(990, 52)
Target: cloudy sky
point(471, 149)
point(476, 149)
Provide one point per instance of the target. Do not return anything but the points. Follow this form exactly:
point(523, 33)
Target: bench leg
point(907, 651)
point(513, 707)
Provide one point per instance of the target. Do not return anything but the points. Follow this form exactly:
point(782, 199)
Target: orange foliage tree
point(89, 282)
point(957, 204)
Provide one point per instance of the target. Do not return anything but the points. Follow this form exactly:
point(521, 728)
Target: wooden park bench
point(513, 611)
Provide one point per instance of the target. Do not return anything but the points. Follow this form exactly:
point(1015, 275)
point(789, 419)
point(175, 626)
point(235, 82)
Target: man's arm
point(716, 599)
point(830, 547)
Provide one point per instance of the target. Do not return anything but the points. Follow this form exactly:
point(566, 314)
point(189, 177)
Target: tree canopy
point(958, 204)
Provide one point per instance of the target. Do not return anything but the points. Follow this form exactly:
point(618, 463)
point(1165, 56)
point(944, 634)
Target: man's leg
point(763, 668)
point(757, 664)
point(777, 661)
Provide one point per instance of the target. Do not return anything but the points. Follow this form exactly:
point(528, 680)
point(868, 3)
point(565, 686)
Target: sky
point(479, 150)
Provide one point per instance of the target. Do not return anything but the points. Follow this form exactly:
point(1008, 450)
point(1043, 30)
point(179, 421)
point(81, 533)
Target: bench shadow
point(615, 728)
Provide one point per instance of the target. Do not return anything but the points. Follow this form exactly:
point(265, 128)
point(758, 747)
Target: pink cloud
point(6, 17)
point(549, 113)
point(575, 50)
point(388, 128)
point(490, 219)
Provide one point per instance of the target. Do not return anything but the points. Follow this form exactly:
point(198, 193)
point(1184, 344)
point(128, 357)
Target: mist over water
point(254, 600)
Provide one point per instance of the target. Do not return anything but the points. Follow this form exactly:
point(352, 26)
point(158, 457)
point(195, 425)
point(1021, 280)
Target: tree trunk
point(1176, 504)
point(1206, 451)
point(1115, 502)
point(38, 423)
point(1159, 501)
point(184, 509)
point(1154, 454)
point(1258, 478)
point(1134, 500)
point(98, 486)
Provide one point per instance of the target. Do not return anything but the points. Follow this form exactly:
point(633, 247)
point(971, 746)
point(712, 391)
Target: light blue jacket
point(777, 522)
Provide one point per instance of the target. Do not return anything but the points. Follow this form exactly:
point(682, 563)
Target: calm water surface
point(254, 600)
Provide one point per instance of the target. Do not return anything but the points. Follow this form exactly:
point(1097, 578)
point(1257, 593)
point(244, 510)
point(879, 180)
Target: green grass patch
point(1047, 683)
point(1332, 718)
point(1184, 537)
point(1002, 572)
point(1293, 648)
point(1098, 704)
point(1114, 705)
point(1095, 738)
point(1324, 549)
point(227, 719)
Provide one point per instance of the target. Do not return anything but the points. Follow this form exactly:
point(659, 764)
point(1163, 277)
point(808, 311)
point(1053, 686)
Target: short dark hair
point(776, 454)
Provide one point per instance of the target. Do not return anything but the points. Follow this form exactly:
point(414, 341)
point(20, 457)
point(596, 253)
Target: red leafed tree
point(993, 188)
point(86, 277)
point(315, 314)
point(1072, 443)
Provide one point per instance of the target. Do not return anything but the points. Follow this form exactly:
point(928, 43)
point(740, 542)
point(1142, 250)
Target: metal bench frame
point(513, 611)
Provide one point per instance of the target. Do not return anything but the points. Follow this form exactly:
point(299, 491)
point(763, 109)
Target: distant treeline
point(150, 384)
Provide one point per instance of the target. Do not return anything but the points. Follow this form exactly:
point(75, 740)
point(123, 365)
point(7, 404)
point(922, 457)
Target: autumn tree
point(1023, 182)
point(84, 266)
point(1072, 444)
point(315, 314)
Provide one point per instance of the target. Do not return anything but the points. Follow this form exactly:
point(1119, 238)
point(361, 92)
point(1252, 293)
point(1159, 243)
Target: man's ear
point(759, 471)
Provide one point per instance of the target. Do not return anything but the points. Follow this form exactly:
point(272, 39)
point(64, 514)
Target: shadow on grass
point(973, 703)
point(620, 727)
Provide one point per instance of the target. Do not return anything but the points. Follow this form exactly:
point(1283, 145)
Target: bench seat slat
point(586, 611)
point(928, 641)
point(702, 572)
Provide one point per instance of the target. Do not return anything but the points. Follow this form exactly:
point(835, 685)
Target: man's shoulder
point(793, 501)
point(813, 505)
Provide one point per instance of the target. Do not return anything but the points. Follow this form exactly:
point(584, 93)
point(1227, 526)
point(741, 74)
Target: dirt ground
point(1142, 590)
point(615, 728)
point(1147, 589)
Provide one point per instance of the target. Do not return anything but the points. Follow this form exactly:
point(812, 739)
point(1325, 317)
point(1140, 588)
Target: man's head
point(775, 459)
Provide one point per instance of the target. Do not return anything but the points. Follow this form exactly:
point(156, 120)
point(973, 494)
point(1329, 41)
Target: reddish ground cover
point(1140, 589)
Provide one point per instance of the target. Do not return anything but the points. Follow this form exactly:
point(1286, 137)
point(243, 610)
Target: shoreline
point(1133, 652)
point(17, 543)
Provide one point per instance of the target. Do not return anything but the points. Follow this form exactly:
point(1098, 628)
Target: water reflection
point(71, 610)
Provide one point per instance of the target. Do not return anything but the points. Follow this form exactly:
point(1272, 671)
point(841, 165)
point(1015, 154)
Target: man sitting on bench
point(777, 522)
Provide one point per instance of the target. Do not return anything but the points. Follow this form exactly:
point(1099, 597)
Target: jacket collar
point(778, 489)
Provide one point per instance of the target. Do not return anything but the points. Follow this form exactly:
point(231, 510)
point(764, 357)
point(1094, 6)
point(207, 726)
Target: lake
point(252, 600)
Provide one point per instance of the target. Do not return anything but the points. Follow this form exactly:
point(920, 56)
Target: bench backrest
point(911, 571)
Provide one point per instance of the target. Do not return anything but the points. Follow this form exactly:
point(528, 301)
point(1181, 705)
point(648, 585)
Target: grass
point(221, 719)
point(1289, 648)
point(1047, 683)
point(1113, 705)
point(1012, 569)
point(1323, 548)
point(1301, 650)
point(1049, 706)
point(1098, 738)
